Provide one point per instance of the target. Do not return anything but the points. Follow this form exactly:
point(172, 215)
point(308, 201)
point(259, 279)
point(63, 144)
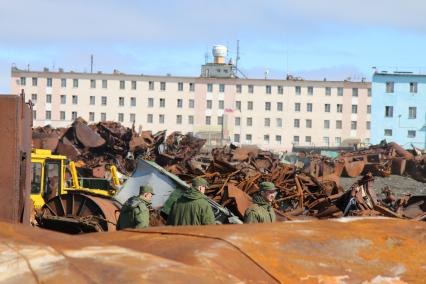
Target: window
point(267, 106)
point(388, 132)
point(178, 119)
point(209, 88)
point(122, 84)
point(368, 125)
point(308, 139)
point(280, 90)
point(121, 101)
point(298, 90)
point(340, 92)
point(221, 104)
point(389, 87)
point(220, 120)
point(266, 138)
point(369, 92)
point(180, 86)
point(326, 140)
point(237, 121)
point(354, 108)
point(411, 134)
point(62, 115)
point(296, 140)
point(48, 115)
point(250, 89)
point(354, 92)
point(161, 118)
point(91, 116)
point(209, 104)
point(268, 89)
point(278, 139)
point(279, 106)
point(150, 102)
point(267, 122)
point(104, 84)
point(296, 123)
point(191, 119)
point(327, 107)
point(239, 88)
point(337, 141)
point(412, 112)
point(49, 82)
point(63, 99)
point(238, 105)
point(339, 108)
point(237, 138)
point(34, 81)
point(132, 101)
point(208, 120)
point(92, 100)
point(327, 124)
point(250, 105)
point(133, 85)
point(23, 81)
point(368, 108)
point(48, 98)
point(103, 100)
point(75, 83)
point(191, 103)
point(120, 117)
point(249, 121)
point(149, 118)
point(328, 91)
point(338, 124)
point(248, 138)
point(34, 98)
point(388, 111)
point(162, 103)
point(221, 88)
point(74, 100)
point(179, 103)
point(103, 116)
point(297, 107)
point(92, 84)
point(191, 87)
point(34, 115)
point(74, 115)
point(308, 123)
point(151, 85)
point(63, 83)
point(132, 117)
point(162, 86)
point(413, 87)
point(309, 107)
point(353, 125)
point(310, 91)
point(279, 122)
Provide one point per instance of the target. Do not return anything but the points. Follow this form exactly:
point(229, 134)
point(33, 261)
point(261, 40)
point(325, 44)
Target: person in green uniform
point(261, 210)
point(192, 208)
point(135, 211)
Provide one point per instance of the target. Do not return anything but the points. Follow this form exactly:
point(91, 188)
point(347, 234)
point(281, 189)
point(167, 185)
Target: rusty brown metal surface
point(341, 251)
point(15, 150)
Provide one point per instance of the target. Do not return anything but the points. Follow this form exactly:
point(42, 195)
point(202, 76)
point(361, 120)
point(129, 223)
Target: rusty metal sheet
point(353, 168)
point(88, 137)
point(242, 199)
point(350, 250)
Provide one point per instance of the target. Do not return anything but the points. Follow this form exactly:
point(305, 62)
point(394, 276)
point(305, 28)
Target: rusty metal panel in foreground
point(349, 250)
point(15, 153)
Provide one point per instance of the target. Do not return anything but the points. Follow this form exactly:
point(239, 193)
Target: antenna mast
point(91, 63)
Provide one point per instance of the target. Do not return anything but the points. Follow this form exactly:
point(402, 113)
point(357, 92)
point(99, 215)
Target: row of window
point(92, 100)
point(410, 133)
point(412, 112)
point(296, 139)
point(390, 87)
point(74, 115)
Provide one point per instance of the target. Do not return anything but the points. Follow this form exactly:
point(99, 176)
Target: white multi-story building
point(274, 114)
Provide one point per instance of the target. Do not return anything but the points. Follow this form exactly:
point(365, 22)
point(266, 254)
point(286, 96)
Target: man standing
point(192, 208)
point(135, 212)
point(261, 210)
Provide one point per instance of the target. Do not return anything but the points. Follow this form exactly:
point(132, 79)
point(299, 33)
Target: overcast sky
point(314, 39)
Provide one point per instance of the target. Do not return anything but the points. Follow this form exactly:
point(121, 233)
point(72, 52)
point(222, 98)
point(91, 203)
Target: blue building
point(399, 108)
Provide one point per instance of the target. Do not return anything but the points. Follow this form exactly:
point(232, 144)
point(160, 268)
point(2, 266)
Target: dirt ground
point(399, 184)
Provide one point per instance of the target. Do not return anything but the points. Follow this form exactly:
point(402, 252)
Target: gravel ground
point(398, 184)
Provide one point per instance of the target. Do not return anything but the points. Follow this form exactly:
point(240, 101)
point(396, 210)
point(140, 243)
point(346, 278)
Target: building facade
point(274, 114)
point(399, 108)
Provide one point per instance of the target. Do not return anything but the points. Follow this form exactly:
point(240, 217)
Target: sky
point(333, 39)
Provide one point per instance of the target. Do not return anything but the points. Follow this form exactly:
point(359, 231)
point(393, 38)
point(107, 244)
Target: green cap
point(146, 189)
point(196, 182)
point(265, 186)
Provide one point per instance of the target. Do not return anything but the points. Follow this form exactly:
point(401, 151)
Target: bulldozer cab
point(47, 176)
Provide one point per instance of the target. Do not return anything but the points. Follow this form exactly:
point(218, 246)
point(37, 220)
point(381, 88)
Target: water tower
point(219, 53)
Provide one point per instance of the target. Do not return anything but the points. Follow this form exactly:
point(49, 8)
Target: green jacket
point(192, 208)
point(260, 211)
point(134, 214)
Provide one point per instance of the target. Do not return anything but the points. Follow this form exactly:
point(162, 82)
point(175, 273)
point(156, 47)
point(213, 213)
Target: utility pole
point(91, 63)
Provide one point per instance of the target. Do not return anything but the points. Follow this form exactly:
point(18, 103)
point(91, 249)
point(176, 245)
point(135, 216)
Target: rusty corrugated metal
point(348, 250)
